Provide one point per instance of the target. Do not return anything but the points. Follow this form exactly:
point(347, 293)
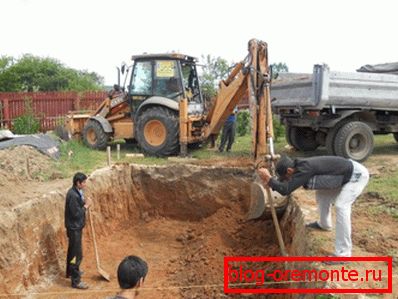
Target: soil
point(21, 164)
point(153, 212)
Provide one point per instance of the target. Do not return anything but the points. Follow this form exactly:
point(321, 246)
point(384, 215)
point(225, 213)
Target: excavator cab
point(164, 79)
point(158, 85)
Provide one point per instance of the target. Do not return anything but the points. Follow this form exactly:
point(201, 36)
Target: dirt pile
point(22, 163)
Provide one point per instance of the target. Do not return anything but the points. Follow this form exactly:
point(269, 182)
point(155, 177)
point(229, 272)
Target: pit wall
point(33, 239)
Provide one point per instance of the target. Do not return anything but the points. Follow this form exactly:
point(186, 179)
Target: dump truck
point(163, 107)
point(339, 110)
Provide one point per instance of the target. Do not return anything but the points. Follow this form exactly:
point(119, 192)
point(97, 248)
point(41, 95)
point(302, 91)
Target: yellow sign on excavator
point(164, 69)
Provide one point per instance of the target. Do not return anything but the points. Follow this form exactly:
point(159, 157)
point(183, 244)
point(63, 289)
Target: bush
point(279, 128)
point(26, 123)
point(243, 123)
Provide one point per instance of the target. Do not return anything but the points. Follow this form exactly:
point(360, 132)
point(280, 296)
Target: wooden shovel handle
point(276, 223)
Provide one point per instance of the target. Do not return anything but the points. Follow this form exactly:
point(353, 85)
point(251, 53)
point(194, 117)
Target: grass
point(385, 183)
point(75, 156)
point(86, 160)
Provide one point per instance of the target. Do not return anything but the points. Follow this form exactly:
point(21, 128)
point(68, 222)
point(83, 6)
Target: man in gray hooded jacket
point(335, 179)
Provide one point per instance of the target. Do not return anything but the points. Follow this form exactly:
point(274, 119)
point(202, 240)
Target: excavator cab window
point(191, 82)
point(167, 82)
point(141, 83)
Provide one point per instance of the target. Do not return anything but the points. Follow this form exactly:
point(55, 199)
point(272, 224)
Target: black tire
point(94, 135)
point(395, 136)
point(331, 136)
point(288, 136)
point(195, 145)
point(62, 133)
point(354, 140)
point(166, 118)
point(304, 139)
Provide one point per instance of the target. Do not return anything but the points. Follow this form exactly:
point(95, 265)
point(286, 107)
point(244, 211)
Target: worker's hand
point(264, 174)
point(88, 202)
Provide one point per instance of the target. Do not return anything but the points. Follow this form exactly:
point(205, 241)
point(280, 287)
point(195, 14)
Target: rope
point(108, 290)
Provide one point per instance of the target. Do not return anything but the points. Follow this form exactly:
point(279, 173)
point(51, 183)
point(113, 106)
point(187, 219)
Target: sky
point(99, 35)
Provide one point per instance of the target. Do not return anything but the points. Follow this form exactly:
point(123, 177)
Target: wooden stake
point(28, 168)
point(118, 151)
point(108, 150)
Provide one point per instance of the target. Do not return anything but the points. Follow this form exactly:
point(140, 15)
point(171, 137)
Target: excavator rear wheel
point(157, 131)
point(94, 135)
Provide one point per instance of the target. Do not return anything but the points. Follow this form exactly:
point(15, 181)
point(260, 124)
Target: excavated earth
point(182, 219)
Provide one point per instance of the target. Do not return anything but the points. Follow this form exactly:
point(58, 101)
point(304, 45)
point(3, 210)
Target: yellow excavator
point(164, 111)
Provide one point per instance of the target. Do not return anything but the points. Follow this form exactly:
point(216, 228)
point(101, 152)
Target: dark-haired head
point(79, 177)
point(283, 165)
point(131, 272)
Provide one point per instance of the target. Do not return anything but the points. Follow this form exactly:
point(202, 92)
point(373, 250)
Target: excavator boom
point(250, 77)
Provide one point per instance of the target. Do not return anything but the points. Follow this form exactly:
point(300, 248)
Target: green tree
point(243, 122)
point(277, 68)
point(32, 73)
point(214, 70)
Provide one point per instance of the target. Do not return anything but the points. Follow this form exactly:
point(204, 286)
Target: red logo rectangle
point(248, 277)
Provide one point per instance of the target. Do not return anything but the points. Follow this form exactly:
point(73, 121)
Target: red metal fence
point(48, 107)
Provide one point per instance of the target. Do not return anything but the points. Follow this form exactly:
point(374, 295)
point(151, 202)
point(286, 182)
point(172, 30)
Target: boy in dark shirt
point(131, 274)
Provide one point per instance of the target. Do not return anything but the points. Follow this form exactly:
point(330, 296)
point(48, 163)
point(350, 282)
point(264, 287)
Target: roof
point(164, 56)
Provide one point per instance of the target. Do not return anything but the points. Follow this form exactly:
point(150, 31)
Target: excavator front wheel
point(157, 131)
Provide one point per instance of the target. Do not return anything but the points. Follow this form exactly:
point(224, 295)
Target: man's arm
point(88, 202)
point(284, 188)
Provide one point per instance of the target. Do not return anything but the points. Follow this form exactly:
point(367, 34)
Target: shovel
point(101, 271)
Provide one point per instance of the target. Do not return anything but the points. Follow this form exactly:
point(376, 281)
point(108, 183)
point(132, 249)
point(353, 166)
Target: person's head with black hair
point(131, 273)
point(79, 180)
point(284, 168)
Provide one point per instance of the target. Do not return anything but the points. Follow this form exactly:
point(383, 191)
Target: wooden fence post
point(6, 113)
point(76, 102)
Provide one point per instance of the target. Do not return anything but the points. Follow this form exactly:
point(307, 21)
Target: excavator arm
point(250, 77)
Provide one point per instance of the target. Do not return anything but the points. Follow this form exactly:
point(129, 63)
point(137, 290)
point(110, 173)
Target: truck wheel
point(331, 136)
point(288, 136)
point(304, 139)
point(354, 140)
point(157, 131)
point(94, 135)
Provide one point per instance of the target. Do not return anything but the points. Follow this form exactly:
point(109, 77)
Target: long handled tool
point(276, 223)
point(260, 196)
point(271, 159)
point(101, 271)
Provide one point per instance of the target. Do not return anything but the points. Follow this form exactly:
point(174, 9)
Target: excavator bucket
point(257, 201)
point(259, 205)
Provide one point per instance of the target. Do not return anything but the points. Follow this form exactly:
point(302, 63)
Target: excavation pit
point(182, 219)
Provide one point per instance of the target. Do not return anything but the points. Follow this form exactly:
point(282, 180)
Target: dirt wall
point(186, 213)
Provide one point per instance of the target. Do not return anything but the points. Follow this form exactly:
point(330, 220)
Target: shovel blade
point(104, 274)
point(257, 201)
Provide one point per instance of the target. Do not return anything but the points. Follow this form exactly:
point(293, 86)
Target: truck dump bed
point(324, 88)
